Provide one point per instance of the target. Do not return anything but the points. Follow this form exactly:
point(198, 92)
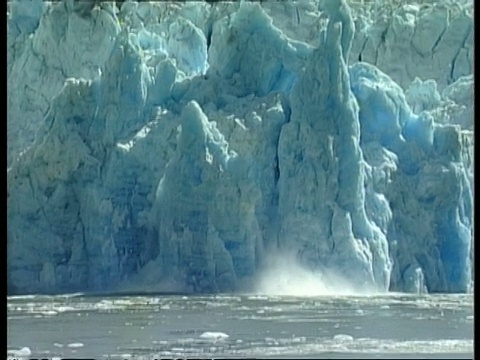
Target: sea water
point(184, 326)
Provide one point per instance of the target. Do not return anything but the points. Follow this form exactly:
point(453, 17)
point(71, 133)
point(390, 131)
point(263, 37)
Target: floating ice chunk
point(214, 335)
point(342, 337)
point(65, 309)
point(49, 313)
point(301, 339)
point(25, 351)
point(75, 345)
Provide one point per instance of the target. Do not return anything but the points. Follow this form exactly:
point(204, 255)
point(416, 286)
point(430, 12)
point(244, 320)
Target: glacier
point(176, 146)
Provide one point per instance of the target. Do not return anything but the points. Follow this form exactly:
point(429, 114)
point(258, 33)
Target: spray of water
point(283, 275)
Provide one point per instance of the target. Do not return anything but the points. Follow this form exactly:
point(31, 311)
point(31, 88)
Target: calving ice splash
point(213, 147)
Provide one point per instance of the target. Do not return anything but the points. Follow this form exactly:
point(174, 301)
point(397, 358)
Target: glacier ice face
point(434, 41)
point(41, 59)
point(428, 162)
point(177, 145)
point(25, 16)
point(320, 149)
point(423, 95)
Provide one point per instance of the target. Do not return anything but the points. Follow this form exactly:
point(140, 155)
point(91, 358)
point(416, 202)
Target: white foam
point(124, 302)
point(178, 349)
point(284, 276)
point(343, 337)
point(22, 297)
point(118, 356)
point(257, 297)
point(363, 346)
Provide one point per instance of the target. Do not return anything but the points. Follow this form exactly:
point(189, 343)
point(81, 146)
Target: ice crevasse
point(174, 146)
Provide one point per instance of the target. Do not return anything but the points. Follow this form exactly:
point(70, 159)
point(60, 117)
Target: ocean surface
point(154, 326)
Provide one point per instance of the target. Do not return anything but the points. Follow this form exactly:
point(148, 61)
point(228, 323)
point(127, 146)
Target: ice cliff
point(175, 145)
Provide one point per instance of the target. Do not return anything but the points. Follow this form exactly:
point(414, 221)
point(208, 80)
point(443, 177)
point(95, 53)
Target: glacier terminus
point(178, 146)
